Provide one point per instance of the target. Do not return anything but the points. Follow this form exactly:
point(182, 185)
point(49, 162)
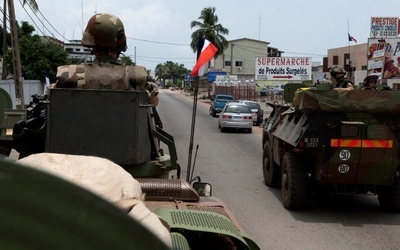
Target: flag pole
point(348, 41)
point(189, 167)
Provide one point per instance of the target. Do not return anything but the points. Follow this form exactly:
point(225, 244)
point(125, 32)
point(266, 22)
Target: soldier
point(105, 35)
point(338, 76)
point(370, 82)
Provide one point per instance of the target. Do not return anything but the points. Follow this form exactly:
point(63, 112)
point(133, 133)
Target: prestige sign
point(283, 68)
point(385, 27)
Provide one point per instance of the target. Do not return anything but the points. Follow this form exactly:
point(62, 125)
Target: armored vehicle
point(77, 122)
point(343, 142)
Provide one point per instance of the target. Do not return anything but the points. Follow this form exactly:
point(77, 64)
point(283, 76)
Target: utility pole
point(231, 58)
point(18, 80)
point(4, 73)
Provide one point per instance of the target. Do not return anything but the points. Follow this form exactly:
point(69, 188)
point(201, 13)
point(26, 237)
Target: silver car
point(258, 113)
point(235, 115)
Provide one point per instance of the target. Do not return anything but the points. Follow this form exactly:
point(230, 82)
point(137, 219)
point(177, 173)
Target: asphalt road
point(231, 162)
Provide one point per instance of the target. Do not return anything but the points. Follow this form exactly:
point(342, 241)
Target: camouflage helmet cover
point(371, 78)
point(105, 30)
point(336, 72)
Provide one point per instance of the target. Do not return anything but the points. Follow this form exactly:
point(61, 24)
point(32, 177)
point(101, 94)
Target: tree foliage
point(125, 60)
point(213, 31)
point(38, 56)
point(170, 70)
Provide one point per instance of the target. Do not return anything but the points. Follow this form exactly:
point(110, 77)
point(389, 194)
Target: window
point(239, 63)
point(228, 63)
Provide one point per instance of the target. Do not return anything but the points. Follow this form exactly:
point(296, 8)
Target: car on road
point(258, 113)
point(218, 103)
point(235, 115)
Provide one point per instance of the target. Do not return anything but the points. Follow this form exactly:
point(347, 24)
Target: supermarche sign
point(283, 68)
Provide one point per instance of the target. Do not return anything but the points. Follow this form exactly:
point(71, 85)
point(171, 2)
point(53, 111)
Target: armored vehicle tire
point(271, 171)
point(389, 199)
point(294, 183)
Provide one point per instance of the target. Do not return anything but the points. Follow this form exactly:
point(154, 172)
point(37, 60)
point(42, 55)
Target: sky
point(159, 30)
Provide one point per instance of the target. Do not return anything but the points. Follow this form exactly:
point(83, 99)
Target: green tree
point(37, 55)
point(126, 60)
point(213, 31)
point(170, 70)
point(32, 3)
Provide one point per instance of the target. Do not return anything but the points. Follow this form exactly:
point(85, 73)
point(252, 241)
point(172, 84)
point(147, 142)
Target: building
point(352, 58)
point(239, 58)
point(77, 52)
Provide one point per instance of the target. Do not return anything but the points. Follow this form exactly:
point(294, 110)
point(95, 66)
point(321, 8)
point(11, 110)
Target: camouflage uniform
point(106, 36)
point(338, 76)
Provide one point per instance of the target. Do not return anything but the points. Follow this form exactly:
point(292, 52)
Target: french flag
point(351, 38)
point(207, 53)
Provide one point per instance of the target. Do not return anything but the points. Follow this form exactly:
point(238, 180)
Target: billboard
point(384, 27)
point(384, 57)
point(283, 68)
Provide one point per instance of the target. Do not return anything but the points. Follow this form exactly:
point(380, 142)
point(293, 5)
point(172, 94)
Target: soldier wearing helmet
point(338, 76)
point(105, 35)
point(370, 82)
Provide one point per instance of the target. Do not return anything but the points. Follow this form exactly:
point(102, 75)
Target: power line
point(165, 43)
point(34, 12)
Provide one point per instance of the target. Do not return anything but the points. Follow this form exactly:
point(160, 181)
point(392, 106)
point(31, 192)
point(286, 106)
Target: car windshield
point(225, 98)
point(237, 109)
point(253, 105)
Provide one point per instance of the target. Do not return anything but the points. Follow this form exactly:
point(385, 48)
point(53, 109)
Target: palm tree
point(161, 72)
point(32, 3)
point(209, 27)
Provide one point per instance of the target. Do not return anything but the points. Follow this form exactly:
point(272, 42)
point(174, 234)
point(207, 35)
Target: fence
point(239, 92)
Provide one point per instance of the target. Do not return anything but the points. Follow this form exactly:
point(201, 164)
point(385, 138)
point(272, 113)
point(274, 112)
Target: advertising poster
point(387, 27)
point(384, 57)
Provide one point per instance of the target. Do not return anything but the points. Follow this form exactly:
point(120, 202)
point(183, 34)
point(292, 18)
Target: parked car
point(218, 103)
point(235, 115)
point(258, 113)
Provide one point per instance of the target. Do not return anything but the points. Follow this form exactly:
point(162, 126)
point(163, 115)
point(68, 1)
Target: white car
point(235, 115)
point(258, 113)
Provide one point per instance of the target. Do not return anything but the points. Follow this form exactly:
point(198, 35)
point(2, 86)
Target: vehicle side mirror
point(203, 189)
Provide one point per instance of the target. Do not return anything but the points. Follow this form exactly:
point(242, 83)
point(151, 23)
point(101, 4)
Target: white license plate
point(237, 117)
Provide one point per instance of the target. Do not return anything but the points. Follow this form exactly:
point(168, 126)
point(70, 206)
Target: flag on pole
point(47, 82)
point(207, 53)
point(351, 38)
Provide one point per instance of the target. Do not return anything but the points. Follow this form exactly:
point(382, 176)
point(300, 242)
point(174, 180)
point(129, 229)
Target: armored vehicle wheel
point(271, 171)
point(294, 183)
point(389, 199)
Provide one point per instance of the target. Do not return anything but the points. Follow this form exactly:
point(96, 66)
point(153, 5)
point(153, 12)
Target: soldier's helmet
point(105, 31)
point(337, 72)
point(368, 79)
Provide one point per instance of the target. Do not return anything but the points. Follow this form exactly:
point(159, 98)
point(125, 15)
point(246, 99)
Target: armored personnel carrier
point(119, 126)
point(337, 141)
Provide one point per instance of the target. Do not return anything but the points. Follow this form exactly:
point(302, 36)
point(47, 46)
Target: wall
point(31, 87)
